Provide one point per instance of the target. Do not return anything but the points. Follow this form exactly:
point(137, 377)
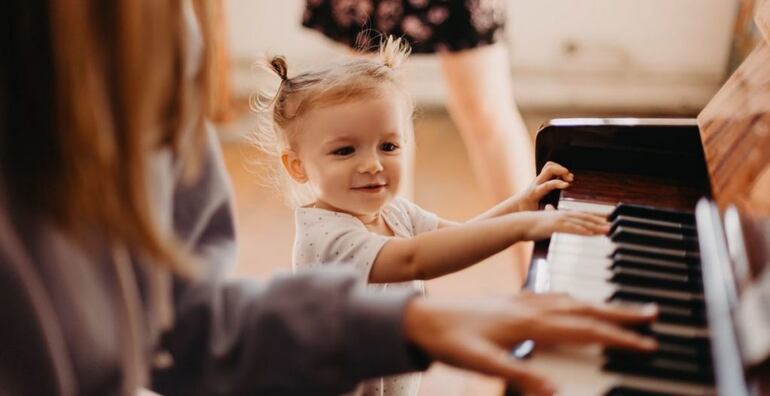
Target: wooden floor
point(444, 185)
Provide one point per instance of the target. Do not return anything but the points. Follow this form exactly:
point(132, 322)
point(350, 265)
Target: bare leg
point(482, 106)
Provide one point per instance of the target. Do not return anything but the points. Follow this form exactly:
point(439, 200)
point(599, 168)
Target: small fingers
point(544, 188)
point(573, 227)
point(552, 170)
point(594, 223)
point(579, 227)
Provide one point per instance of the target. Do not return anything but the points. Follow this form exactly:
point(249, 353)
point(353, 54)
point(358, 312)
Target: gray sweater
point(70, 315)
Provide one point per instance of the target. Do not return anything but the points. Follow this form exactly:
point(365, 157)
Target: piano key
point(674, 314)
point(686, 351)
point(604, 271)
point(649, 212)
point(670, 329)
point(584, 206)
point(643, 295)
point(597, 290)
point(658, 264)
point(654, 222)
point(684, 360)
point(658, 365)
point(660, 251)
point(580, 373)
point(651, 225)
point(630, 391)
point(653, 279)
point(658, 368)
point(685, 347)
point(657, 239)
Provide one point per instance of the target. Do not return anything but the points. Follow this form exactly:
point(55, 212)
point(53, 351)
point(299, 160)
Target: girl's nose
point(370, 164)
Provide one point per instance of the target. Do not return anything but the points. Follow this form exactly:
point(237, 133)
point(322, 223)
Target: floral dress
point(429, 25)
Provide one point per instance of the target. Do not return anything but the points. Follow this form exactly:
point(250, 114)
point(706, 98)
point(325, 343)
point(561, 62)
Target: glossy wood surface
point(735, 130)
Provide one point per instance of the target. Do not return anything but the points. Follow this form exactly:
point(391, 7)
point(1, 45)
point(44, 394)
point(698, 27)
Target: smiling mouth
point(370, 187)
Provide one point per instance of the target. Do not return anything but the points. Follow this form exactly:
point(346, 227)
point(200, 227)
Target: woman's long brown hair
point(90, 89)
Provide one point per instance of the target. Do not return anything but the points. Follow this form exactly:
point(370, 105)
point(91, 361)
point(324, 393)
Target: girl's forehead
point(374, 115)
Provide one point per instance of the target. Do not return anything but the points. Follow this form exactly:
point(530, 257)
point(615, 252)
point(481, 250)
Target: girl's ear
point(293, 166)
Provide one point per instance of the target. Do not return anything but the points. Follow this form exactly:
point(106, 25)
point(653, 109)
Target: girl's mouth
point(371, 188)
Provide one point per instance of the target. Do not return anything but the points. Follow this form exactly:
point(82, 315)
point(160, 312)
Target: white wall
point(634, 55)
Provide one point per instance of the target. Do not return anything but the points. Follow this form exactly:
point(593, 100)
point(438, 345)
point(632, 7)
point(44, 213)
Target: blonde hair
point(106, 94)
point(280, 112)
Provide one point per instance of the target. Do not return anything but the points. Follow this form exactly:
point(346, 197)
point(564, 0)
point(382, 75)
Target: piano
point(689, 204)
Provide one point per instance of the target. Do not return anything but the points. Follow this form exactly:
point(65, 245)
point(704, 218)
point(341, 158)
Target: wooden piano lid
point(735, 131)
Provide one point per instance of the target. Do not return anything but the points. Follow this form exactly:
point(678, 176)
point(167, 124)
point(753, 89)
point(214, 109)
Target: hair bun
point(278, 64)
point(393, 51)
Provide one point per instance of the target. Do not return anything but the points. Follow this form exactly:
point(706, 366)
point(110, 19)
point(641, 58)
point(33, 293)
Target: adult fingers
point(613, 313)
point(485, 357)
point(553, 170)
point(582, 330)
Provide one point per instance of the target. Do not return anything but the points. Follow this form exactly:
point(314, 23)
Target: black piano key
point(659, 365)
point(687, 360)
point(639, 236)
point(625, 390)
point(652, 213)
point(656, 251)
point(642, 295)
point(688, 316)
point(701, 342)
point(667, 265)
point(678, 314)
point(694, 351)
point(652, 225)
point(657, 280)
point(677, 347)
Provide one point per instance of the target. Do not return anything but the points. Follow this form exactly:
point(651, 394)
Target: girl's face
point(351, 153)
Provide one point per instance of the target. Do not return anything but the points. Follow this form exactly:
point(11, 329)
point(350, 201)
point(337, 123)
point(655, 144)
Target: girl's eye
point(342, 151)
point(388, 147)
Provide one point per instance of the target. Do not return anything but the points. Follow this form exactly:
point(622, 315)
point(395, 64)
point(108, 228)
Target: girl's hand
point(544, 223)
point(552, 177)
point(479, 334)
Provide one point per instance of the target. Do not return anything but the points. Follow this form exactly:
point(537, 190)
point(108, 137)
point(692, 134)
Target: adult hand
point(479, 334)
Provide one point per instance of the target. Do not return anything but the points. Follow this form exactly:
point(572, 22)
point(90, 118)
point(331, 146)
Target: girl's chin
point(368, 206)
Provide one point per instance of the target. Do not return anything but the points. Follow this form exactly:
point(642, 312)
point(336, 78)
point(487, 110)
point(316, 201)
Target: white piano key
point(584, 206)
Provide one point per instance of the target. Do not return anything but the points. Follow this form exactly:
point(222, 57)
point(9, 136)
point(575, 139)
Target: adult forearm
point(300, 325)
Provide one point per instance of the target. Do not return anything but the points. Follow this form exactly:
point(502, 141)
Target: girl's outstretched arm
point(443, 251)
point(552, 177)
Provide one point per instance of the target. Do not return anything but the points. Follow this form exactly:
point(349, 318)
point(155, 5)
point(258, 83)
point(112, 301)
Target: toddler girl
point(338, 132)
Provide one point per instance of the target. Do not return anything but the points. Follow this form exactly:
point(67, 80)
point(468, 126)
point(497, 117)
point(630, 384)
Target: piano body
point(687, 199)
